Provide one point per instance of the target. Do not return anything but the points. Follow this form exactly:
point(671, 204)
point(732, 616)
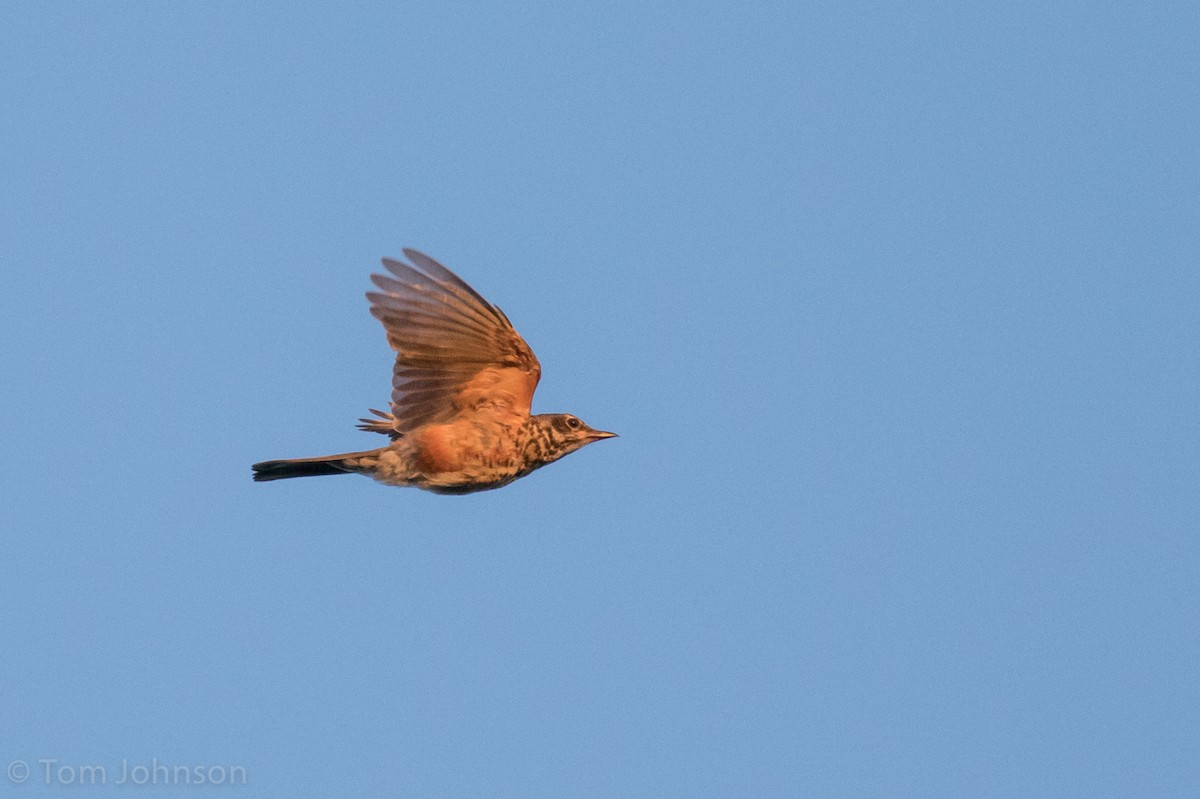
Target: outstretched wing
point(456, 353)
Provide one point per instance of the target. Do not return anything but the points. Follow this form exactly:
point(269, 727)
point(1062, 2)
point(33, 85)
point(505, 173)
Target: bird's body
point(461, 393)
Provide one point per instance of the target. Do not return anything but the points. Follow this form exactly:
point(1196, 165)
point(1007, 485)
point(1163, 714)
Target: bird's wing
point(455, 352)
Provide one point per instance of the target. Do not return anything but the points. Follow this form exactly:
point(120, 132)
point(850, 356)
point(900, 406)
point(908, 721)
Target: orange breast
point(465, 445)
point(438, 448)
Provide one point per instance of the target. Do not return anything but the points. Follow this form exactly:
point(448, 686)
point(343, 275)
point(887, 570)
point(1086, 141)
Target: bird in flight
point(461, 392)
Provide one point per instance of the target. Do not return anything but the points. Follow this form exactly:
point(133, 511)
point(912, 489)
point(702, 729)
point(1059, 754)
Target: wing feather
point(456, 353)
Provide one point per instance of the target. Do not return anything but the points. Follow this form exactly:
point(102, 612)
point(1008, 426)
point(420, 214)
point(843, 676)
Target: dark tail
point(307, 467)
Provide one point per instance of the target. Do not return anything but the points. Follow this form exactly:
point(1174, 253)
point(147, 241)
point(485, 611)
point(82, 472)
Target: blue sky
point(893, 305)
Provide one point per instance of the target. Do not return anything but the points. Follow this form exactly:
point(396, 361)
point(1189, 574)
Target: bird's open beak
point(596, 435)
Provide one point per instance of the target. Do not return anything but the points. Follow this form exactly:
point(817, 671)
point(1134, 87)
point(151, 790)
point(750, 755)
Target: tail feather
point(306, 467)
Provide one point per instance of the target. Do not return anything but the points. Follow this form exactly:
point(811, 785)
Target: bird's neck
point(538, 446)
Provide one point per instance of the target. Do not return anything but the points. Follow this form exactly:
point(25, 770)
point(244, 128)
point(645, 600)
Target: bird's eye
point(572, 423)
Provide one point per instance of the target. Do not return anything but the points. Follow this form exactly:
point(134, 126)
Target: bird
point(462, 390)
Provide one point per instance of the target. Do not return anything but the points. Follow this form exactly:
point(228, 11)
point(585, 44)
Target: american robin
point(461, 393)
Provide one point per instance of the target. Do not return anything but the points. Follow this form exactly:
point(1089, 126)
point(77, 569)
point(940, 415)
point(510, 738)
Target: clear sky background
point(894, 305)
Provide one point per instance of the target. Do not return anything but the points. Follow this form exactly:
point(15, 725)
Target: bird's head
point(560, 434)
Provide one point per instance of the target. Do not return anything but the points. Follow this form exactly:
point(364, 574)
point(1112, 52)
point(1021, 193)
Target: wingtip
point(391, 265)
